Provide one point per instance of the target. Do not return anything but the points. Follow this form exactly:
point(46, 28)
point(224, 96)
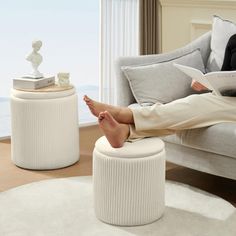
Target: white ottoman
point(129, 181)
point(45, 132)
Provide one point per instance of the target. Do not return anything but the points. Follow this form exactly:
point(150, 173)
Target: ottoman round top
point(139, 149)
point(42, 95)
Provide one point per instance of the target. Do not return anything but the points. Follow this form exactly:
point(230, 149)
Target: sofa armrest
point(124, 94)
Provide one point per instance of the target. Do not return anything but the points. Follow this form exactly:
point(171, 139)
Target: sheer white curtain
point(119, 37)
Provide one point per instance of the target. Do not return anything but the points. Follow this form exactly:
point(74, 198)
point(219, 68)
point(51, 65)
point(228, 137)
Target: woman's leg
point(194, 111)
point(120, 114)
point(117, 133)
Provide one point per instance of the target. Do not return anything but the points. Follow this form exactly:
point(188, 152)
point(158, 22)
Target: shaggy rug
point(64, 207)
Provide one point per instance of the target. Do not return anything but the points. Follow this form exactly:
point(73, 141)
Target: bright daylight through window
point(69, 31)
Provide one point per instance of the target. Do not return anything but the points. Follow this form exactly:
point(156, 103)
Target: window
point(119, 37)
point(69, 31)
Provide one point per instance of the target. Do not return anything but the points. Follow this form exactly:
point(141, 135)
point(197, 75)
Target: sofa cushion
point(222, 30)
point(162, 82)
point(219, 139)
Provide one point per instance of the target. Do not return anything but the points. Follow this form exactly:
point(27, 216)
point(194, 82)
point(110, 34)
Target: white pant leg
point(191, 112)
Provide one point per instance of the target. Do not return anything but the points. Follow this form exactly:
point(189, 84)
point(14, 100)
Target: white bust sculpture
point(36, 59)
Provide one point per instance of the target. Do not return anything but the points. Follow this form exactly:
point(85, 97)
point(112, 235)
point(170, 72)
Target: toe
point(101, 115)
point(86, 98)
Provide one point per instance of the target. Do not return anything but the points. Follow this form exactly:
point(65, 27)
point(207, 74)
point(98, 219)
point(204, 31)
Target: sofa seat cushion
point(219, 139)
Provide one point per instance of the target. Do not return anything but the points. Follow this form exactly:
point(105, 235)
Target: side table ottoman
point(129, 182)
point(45, 132)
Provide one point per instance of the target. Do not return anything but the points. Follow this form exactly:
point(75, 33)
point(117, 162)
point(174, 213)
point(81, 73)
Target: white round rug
point(64, 207)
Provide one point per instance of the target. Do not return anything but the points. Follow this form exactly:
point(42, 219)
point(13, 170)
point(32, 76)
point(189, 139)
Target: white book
point(218, 81)
point(29, 83)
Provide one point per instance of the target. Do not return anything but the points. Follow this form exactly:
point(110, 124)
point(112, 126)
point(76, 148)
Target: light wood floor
point(13, 176)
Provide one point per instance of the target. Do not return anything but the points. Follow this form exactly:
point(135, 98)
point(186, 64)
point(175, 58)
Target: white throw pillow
point(222, 30)
point(162, 82)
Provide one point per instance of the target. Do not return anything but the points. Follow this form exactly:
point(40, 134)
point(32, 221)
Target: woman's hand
point(198, 86)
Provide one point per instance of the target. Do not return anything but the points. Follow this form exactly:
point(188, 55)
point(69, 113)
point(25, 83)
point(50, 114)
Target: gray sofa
point(211, 149)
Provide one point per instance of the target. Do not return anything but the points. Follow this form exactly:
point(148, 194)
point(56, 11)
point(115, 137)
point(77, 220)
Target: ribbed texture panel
point(45, 132)
point(129, 191)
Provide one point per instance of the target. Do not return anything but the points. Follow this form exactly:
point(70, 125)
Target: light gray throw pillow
point(162, 82)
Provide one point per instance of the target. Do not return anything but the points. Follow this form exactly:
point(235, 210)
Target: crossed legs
point(194, 111)
point(114, 121)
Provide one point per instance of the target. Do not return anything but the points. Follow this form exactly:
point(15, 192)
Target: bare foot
point(115, 133)
point(120, 114)
point(97, 107)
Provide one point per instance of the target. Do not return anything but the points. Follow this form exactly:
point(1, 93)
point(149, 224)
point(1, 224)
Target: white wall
point(184, 20)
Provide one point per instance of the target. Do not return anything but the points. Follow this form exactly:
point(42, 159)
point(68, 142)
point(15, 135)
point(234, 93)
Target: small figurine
point(36, 59)
point(63, 79)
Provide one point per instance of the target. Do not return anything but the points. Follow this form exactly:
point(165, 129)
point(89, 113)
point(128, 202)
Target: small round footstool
point(129, 182)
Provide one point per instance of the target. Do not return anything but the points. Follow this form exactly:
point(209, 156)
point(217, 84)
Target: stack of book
point(29, 83)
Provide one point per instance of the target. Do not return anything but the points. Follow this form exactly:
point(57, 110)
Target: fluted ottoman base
point(129, 182)
point(44, 129)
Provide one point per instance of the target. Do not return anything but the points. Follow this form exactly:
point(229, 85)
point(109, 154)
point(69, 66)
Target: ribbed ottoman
point(45, 132)
point(129, 181)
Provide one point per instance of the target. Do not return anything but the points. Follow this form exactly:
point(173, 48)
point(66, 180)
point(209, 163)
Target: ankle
point(125, 115)
point(126, 131)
